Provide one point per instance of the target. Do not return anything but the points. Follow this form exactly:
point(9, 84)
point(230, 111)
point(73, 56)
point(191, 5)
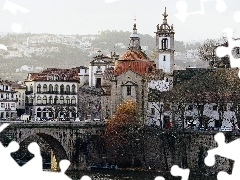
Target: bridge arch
point(57, 148)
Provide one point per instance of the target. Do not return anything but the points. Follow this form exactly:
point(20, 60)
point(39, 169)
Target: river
point(133, 175)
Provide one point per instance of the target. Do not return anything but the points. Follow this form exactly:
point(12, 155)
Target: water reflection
point(133, 175)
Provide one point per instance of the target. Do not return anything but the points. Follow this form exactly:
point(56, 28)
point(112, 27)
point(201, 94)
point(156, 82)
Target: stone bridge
point(73, 141)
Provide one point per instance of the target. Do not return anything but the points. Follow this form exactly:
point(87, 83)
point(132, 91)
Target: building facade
point(20, 97)
point(8, 101)
point(52, 94)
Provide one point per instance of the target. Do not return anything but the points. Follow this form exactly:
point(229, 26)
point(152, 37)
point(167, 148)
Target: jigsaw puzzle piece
point(222, 51)
point(182, 8)
point(177, 171)
point(35, 164)
point(159, 178)
point(227, 150)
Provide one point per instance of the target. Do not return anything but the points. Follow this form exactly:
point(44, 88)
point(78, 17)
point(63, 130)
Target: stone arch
point(58, 149)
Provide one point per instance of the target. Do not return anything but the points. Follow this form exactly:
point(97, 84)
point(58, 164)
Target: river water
point(132, 175)
point(113, 175)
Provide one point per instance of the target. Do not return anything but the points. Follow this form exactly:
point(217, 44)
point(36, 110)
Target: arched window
point(73, 100)
point(56, 100)
point(73, 89)
point(68, 89)
point(38, 88)
point(39, 100)
point(62, 89)
point(56, 89)
point(31, 87)
point(39, 112)
point(164, 43)
point(44, 88)
point(51, 88)
point(45, 100)
point(61, 100)
point(50, 100)
point(67, 100)
point(44, 112)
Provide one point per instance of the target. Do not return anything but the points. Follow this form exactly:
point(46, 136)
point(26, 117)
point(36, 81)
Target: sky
point(92, 16)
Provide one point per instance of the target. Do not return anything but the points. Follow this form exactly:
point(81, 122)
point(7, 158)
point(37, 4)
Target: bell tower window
point(164, 43)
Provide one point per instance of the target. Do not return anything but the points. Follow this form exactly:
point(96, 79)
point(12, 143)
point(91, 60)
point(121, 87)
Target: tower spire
point(165, 15)
point(134, 38)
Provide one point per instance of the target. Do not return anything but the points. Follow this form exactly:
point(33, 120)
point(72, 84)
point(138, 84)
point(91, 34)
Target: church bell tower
point(165, 46)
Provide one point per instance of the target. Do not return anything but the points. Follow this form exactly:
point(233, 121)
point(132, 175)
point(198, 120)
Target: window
point(68, 89)
point(39, 100)
point(13, 105)
point(129, 89)
point(31, 87)
point(44, 88)
point(50, 100)
point(67, 100)
point(164, 43)
point(73, 100)
point(1, 95)
point(2, 114)
point(56, 100)
point(6, 87)
point(2, 105)
point(38, 88)
point(12, 95)
point(152, 111)
point(56, 88)
point(62, 89)
point(50, 88)
point(61, 100)
point(164, 58)
point(73, 88)
point(45, 100)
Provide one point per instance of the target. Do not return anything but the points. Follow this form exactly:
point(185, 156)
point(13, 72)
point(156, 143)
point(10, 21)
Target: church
point(134, 73)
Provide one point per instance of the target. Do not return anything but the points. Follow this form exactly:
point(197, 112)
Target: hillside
point(40, 51)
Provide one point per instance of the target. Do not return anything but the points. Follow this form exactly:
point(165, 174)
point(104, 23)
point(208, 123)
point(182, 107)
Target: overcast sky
point(92, 16)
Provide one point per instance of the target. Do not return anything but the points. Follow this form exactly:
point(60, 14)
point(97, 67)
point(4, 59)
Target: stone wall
point(189, 149)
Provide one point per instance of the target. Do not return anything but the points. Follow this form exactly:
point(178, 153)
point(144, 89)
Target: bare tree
point(207, 52)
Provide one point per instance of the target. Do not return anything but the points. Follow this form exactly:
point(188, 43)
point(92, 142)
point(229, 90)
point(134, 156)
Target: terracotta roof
point(138, 66)
point(49, 74)
point(134, 55)
point(108, 73)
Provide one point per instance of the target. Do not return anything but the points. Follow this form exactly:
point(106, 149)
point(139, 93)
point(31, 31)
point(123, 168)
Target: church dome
point(133, 55)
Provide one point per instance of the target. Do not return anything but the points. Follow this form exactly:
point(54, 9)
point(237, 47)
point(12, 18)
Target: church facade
point(134, 73)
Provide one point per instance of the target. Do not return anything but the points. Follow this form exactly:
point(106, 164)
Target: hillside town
point(85, 94)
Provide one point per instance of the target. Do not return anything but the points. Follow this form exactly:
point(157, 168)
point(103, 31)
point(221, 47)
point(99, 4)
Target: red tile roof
point(63, 75)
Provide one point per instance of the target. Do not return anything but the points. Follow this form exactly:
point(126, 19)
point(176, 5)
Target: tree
point(219, 86)
point(207, 52)
point(123, 135)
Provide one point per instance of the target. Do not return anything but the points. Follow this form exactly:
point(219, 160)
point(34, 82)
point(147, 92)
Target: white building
point(52, 93)
point(8, 101)
point(20, 97)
